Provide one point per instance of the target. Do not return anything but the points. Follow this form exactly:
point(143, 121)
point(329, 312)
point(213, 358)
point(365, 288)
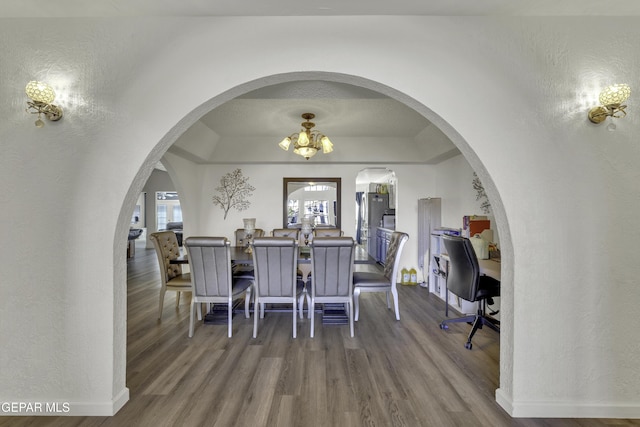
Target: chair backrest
point(240, 235)
point(327, 232)
point(332, 260)
point(463, 276)
point(166, 245)
point(394, 250)
point(210, 263)
point(275, 261)
point(286, 232)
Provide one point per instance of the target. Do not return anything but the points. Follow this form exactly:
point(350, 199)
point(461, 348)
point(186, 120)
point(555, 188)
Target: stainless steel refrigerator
point(377, 205)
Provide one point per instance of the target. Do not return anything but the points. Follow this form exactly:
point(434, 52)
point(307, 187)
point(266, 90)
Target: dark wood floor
point(406, 373)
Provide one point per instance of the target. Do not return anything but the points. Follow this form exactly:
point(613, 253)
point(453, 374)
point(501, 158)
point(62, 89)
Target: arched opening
point(192, 209)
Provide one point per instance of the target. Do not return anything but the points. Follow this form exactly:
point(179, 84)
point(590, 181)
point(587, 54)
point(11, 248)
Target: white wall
point(511, 94)
point(454, 184)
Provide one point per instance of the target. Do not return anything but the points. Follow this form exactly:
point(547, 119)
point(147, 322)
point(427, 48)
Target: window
point(168, 209)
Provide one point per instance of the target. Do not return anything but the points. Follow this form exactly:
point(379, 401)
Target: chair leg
point(395, 302)
point(178, 299)
point(255, 315)
point(230, 317)
point(350, 304)
point(465, 319)
point(356, 294)
point(388, 302)
point(312, 316)
point(262, 310)
point(295, 317)
point(308, 297)
point(191, 315)
point(162, 292)
point(301, 305)
point(247, 302)
point(199, 310)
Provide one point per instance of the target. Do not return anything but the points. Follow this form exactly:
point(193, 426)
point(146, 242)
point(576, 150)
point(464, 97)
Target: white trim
point(546, 409)
point(66, 408)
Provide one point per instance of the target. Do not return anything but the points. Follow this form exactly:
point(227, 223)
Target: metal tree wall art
point(234, 191)
point(481, 194)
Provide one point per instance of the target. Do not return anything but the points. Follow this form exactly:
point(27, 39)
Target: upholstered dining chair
point(211, 278)
point(275, 262)
point(327, 232)
point(286, 232)
point(332, 260)
point(465, 281)
point(241, 235)
point(295, 233)
point(364, 281)
point(171, 275)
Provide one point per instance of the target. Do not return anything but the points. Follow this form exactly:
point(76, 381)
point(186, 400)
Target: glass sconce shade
point(40, 92)
point(615, 94)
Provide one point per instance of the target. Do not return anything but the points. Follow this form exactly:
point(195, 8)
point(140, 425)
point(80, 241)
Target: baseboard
point(65, 408)
point(566, 409)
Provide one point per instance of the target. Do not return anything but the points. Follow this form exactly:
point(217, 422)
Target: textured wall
point(512, 94)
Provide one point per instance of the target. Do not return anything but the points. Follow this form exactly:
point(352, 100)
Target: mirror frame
point(285, 195)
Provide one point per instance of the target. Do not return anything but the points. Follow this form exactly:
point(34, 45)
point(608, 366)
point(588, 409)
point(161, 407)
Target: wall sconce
point(611, 99)
point(42, 96)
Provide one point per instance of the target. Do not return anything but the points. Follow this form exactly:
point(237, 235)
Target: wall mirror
point(316, 198)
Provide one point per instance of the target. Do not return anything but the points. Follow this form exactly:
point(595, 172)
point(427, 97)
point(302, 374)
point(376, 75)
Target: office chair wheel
point(444, 326)
point(468, 346)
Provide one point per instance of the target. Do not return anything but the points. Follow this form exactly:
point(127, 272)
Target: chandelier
point(307, 142)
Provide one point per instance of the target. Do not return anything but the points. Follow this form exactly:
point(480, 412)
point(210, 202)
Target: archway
point(218, 99)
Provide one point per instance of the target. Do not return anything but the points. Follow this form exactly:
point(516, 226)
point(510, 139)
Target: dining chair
point(286, 232)
point(211, 278)
point(171, 276)
point(327, 232)
point(332, 261)
point(295, 233)
point(275, 262)
point(364, 281)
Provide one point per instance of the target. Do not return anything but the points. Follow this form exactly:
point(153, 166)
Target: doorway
point(375, 207)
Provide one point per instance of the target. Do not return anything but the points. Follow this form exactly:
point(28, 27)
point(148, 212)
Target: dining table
point(240, 256)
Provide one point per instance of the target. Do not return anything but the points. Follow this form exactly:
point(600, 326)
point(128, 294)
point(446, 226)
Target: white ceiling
point(340, 109)
point(357, 120)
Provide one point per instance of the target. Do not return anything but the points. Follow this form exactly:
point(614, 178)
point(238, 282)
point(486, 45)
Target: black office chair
point(465, 281)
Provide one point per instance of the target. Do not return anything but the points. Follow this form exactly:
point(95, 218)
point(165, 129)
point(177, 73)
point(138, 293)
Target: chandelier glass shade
point(307, 142)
